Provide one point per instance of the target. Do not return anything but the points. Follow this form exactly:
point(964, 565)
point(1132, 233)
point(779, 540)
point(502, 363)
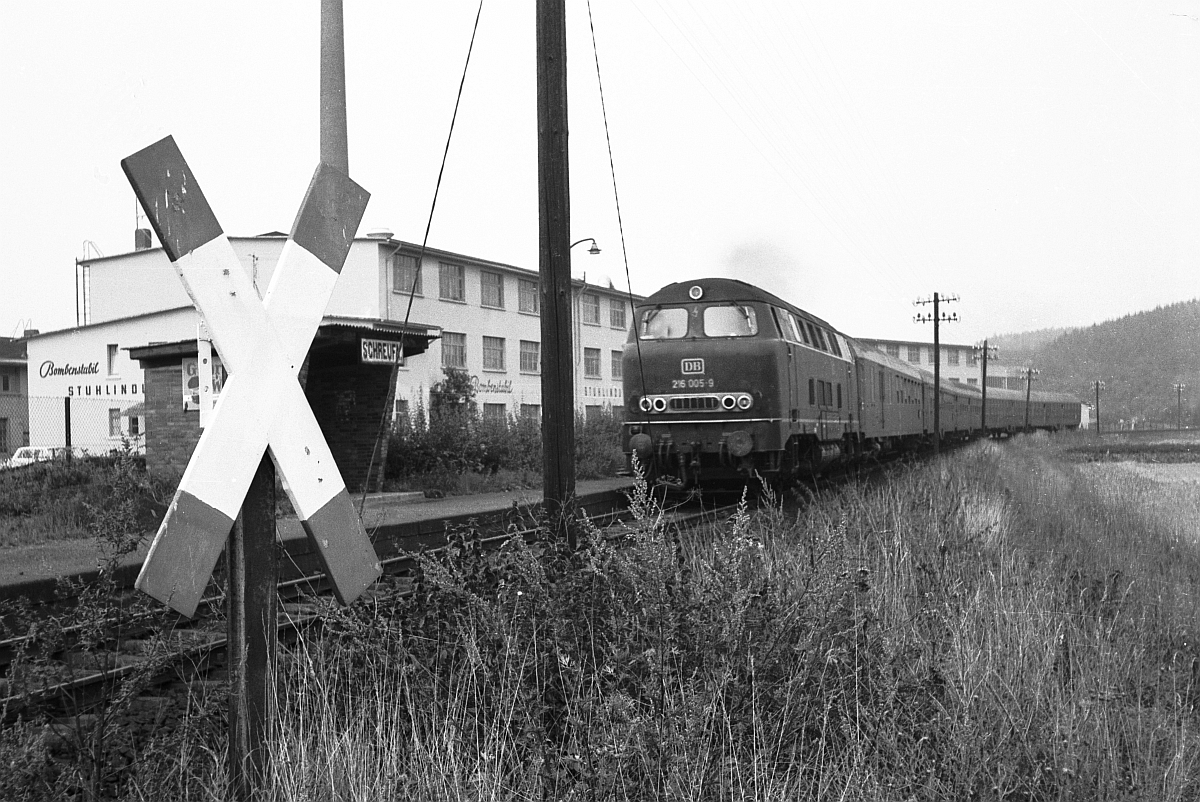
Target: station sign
point(380, 352)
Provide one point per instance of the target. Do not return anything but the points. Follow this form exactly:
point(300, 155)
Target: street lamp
point(595, 249)
point(1099, 386)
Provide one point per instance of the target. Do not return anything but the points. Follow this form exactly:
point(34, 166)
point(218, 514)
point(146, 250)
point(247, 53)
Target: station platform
point(24, 567)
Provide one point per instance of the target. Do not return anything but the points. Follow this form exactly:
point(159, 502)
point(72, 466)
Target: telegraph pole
point(985, 351)
point(937, 317)
point(1099, 386)
point(1179, 386)
point(554, 266)
point(1029, 374)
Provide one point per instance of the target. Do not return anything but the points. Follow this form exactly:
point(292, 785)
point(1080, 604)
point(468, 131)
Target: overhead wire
point(637, 340)
point(420, 259)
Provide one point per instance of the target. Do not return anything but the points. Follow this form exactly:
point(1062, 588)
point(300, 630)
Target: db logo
point(692, 365)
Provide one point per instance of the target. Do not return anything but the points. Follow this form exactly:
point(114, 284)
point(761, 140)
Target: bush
point(63, 498)
point(434, 449)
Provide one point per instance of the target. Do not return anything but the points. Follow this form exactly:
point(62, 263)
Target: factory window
point(530, 356)
point(616, 364)
point(112, 359)
point(591, 363)
point(812, 393)
point(452, 282)
point(114, 422)
point(406, 275)
point(494, 412)
point(401, 413)
point(893, 350)
point(616, 313)
point(454, 350)
point(593, 412)
point(491, 289)
point(527, 296)
point(4, 435)
point(531, 411)
point(839, 395)
point(493, 353)
point(590, 302)
point(4, 382)
point(914, 354)
point(952, 356)
point(135, 425)
point(973, 382)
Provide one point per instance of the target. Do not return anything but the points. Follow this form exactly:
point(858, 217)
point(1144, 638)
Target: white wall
point(74, 363)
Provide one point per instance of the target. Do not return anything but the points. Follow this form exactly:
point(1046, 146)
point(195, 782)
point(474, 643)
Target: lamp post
point(1099, 386)
point(1028, 373)
point(595, 249)
point(984, 350)
point(1179, 404)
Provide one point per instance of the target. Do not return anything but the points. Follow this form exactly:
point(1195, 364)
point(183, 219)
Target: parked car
point(27, 455)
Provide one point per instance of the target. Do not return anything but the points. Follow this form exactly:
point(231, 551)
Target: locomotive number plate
point(692, 366)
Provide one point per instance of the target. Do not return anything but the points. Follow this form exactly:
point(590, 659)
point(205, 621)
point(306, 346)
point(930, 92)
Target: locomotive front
point(702, 371)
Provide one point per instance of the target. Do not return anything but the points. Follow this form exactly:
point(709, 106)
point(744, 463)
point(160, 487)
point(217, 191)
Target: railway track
point(160, 648)
point(157, 648)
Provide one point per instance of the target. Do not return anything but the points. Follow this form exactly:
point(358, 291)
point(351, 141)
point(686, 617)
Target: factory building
point(449, 310)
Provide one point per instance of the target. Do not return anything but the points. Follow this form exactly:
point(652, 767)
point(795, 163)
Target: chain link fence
point(86, 425)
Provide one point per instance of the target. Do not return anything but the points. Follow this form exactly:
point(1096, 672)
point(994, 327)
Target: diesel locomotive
point(724, 380)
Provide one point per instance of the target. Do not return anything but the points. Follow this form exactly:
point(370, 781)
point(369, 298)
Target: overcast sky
point(1040, 159)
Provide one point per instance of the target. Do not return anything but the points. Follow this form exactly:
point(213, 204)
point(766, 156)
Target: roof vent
point(380, 233)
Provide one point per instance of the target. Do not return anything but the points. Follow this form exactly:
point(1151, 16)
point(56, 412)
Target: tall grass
point(1002, 625)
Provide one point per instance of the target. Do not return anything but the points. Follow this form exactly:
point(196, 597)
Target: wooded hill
point(1139, 357)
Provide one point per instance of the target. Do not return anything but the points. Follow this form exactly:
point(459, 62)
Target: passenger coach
point(724, 380)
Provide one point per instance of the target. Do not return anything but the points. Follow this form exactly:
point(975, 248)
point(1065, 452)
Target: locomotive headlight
point(744, 402)
point(644, 404)
point(660, 404)
point(642, 445)
point(729, 402)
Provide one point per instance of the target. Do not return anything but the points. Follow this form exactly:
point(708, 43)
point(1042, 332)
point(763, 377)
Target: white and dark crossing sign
point(262, 406)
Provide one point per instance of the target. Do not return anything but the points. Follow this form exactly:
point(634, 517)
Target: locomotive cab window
point(730, 320)
point(670, 323)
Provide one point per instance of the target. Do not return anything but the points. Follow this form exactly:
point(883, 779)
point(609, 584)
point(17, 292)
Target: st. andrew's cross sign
point(262, 406)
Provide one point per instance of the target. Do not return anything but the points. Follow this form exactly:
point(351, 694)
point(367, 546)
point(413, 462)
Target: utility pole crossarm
point(985, 351)
point(936, 318)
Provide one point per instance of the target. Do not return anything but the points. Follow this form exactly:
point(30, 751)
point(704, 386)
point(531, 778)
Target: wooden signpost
point(261, 411)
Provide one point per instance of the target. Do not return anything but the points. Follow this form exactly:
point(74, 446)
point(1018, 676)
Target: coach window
point(799, 324)
point(730, 320)
point(833, 342)
point(785, 325)
point(815, 334)
point(663, 324)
